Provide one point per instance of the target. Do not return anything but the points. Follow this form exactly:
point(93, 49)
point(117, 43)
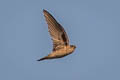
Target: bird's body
point(60, 39)
point(66, 50)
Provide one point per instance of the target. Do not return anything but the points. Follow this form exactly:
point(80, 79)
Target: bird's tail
point(42, 58)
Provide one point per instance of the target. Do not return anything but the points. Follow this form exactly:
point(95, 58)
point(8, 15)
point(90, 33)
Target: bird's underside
point(59, 37)
point(59, 53)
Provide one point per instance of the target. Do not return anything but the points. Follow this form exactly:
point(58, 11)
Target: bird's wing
point(56, 31)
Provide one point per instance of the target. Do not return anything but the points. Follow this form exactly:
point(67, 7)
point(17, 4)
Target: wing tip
point(45, 11)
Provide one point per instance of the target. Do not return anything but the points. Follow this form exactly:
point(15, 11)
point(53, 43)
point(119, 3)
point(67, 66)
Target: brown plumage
point(59, 37)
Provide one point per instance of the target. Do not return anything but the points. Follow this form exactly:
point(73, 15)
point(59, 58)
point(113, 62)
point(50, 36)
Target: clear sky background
point(92, 25)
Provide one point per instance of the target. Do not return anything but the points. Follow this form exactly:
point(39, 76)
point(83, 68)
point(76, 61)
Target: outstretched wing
point(56, 31)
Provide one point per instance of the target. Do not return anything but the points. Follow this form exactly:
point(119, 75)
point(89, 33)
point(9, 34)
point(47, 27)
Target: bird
point(61, 46)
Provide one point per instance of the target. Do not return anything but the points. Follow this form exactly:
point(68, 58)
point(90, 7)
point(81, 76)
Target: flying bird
point(61, 46)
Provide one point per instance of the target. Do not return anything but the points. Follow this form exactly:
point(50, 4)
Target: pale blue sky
point(92, 25)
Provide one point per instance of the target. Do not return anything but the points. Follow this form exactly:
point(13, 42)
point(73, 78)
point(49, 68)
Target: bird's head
point(73, 46)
